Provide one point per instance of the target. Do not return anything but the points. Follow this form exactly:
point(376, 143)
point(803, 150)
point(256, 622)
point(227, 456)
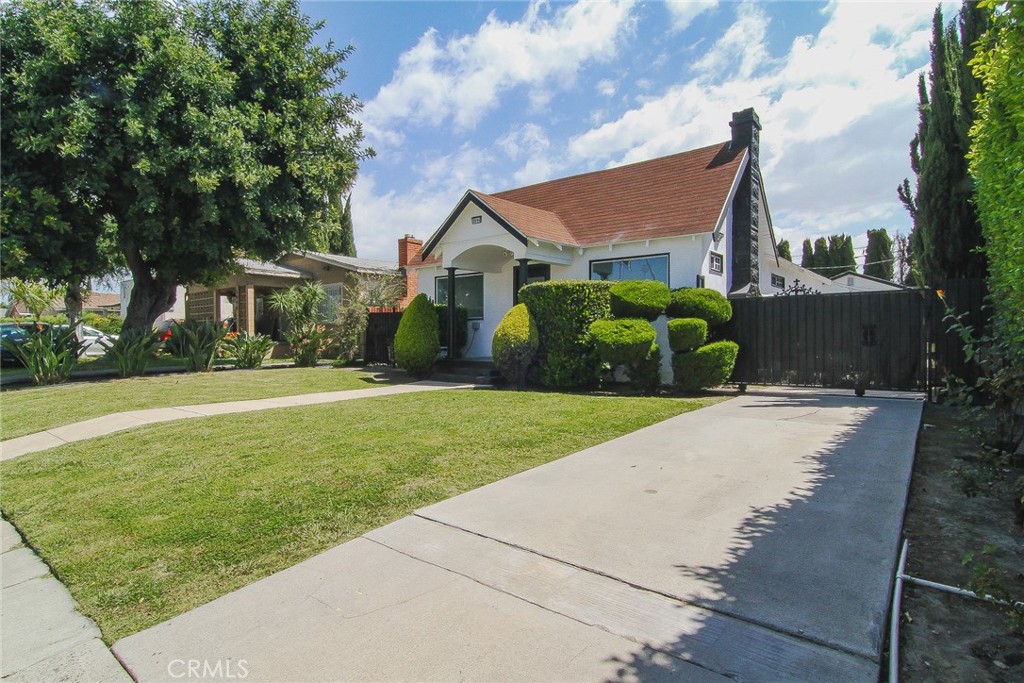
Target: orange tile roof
point(530, 221)
point(681, 194)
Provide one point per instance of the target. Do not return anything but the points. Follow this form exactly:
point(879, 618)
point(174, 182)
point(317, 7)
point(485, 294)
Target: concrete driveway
point(753, 540)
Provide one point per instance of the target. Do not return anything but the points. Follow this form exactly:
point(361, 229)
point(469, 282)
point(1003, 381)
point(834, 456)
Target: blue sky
point(494, 95)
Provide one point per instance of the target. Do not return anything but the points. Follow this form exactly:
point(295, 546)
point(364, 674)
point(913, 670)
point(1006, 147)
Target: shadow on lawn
point(815, 567)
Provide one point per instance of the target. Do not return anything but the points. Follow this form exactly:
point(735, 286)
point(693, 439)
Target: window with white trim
point(716, 264)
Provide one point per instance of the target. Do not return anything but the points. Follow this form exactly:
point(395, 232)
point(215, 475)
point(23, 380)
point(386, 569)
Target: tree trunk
point(73, 298)
point(152, 294)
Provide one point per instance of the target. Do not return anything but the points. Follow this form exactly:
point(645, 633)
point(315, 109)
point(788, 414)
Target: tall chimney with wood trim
point(746, 206)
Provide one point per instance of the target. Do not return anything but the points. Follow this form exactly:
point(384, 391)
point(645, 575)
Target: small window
point(717, 264)
point(328, 310)
point(639, 268)
point(469, 293)
point(778, 281)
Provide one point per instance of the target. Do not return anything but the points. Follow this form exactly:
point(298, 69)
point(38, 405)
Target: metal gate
point(881, 340)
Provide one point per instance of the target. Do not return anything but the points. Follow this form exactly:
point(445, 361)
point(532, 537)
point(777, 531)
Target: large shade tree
point(54, 228)
point(214, 129)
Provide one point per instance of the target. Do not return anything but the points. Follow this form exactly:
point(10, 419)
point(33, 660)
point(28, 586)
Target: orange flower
point(941, 293)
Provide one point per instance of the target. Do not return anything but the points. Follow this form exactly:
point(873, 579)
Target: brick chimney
point(746, 132)
point(409, 249)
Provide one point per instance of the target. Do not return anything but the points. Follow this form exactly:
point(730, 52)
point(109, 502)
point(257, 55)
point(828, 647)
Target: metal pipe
point(956, 591)
point(894, 617)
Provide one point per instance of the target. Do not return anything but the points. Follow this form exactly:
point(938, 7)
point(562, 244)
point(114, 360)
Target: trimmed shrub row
point(622, 341)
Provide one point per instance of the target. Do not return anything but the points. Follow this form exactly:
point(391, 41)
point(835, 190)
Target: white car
point(92, 337)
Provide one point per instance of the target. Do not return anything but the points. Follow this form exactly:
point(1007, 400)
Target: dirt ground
point(946, 637)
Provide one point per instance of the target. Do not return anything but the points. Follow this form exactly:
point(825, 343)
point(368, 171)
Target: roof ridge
point(605, 170)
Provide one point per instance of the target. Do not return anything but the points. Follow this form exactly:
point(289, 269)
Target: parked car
point(16, 333)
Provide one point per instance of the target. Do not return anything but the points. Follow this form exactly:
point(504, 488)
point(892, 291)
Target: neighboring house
point(244, 295)
point(698, 218)
point(177, 311)
point(849, 281)
point(103, 303)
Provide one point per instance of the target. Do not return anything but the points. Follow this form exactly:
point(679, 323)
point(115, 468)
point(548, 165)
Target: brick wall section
point(409, 248)
point(199, 305)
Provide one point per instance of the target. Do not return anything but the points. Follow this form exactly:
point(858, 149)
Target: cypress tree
point(784, 251)
point(821, 260)
point(878, 261)
point(946, 231)
point(807, 257)
point(342, 241)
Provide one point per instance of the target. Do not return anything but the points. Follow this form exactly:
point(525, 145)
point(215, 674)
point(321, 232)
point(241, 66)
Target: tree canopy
point(784, 250)
point(829, 257)
point(997, 162)
point(946, 233)
point(185, 134)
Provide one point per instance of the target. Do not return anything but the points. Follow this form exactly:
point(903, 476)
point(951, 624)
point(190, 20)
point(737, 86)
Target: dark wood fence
point(881, 340)
point(380, 336)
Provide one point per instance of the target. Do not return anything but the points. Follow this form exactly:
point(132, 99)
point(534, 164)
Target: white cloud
point(606, 87)
point(463, 78)
point(683, 12)
point(838, 110)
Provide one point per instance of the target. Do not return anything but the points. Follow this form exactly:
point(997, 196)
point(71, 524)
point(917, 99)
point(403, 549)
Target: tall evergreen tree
point(821, 259)
point(342, 241)
point(784, 251)
point(807, 257)
point(878, 260)
point(840, 255)
point(946, 233)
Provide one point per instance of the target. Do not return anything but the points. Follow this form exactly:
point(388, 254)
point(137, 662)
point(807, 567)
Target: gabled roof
point(681, 194)
point(871, 278)
point(359, 265)
point(254, 267)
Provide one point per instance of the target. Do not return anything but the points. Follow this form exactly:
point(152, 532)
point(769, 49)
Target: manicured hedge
point(686, 334)
point(563, 311)
point(646, 375)
point(645, 299)
point(417, 342)
point(706, 367)
point(514, 346)
point(706, 304)
point(623, 341)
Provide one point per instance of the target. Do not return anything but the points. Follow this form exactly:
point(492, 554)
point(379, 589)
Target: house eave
point(470, 198)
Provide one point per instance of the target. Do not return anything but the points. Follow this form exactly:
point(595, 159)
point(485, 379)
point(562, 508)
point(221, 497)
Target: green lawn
point(146, 524)
point(32, 409)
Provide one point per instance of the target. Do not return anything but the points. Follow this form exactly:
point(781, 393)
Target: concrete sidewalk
point(116, 422)
point(753, 540)
point(43, 638)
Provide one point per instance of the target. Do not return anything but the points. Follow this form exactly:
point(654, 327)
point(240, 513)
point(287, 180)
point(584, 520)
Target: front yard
point(33, 409)
point(146, 524)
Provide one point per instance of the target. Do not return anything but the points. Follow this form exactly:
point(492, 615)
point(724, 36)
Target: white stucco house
point(697, 218)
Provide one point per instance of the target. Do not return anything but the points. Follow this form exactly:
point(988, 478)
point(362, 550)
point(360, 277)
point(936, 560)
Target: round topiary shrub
point(514, 346)
point(645, 299)
point(686, 334)
point(416, 341)
point(645, 376)
point(706, 304)
point(623, 341)
point(708, 366)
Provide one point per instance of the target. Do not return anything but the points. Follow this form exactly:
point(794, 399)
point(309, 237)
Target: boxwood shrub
point(514, 346)
point(645, 299)
point(645, 376)
point(708, 366)
point(563, 311)
point(623, 341)
point(686, 334)
point(706, 304)
point(417, 342)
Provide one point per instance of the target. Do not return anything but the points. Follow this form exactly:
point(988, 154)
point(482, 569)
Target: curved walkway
point(116, 422)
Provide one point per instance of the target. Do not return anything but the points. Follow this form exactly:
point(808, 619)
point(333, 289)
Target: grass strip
point(33, 409)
